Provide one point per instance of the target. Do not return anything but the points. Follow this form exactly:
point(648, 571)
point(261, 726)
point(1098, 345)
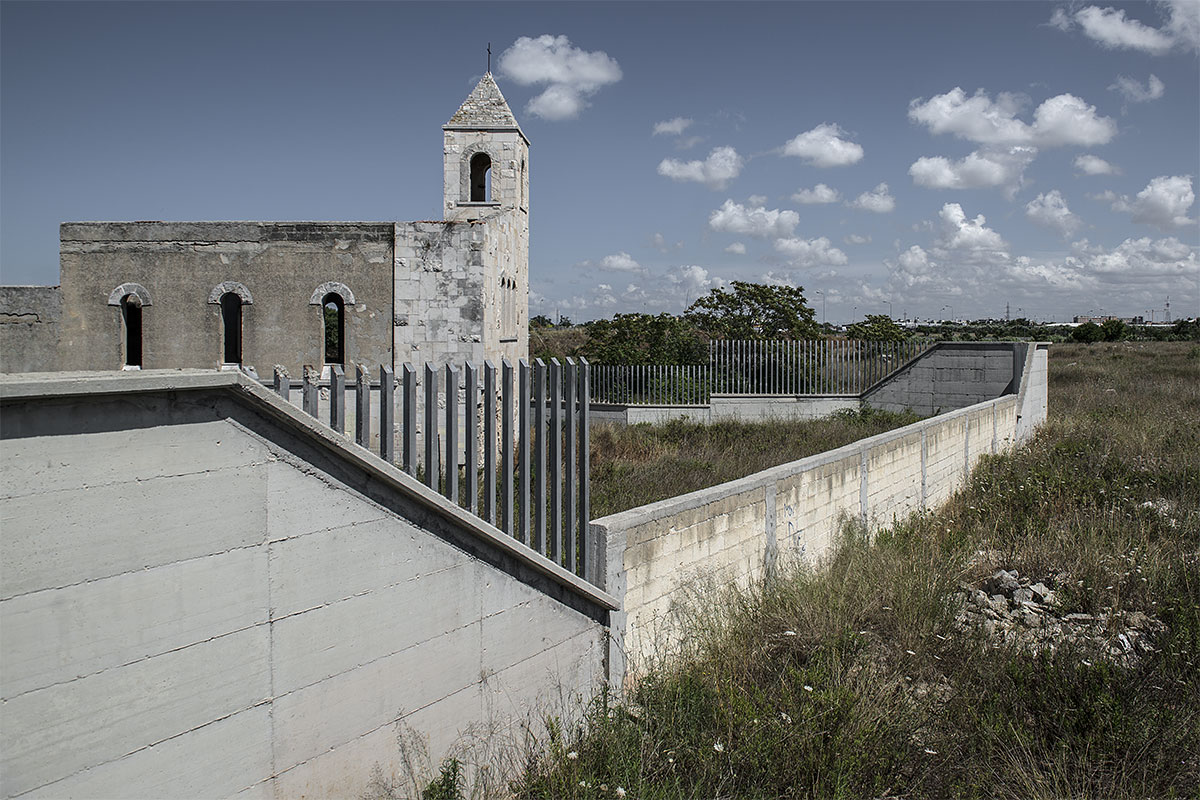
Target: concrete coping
point(45, 385)
point(630, 518)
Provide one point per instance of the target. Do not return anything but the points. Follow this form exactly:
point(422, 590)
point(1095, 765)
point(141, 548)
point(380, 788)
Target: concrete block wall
point(204, 593)
point(949, 376)
point(732, 532)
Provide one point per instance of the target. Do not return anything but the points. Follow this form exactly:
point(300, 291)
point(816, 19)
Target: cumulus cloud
point(967, 238)
point(1060, 120)
point(722, 165)
point(1110, 28)
point(672, 127)
point(912, 268)
point(983, 168)
point(854, 238)
point(737, 248)
point(824, 146)
point(877, 200)
point(571, 74)
point(620, 262)
point(736, 218)
point(1164, 202)
point(692, 280)
point(1089, 164)
point(1050, 210)
point(1145, 257)
point(756, 200)
point(810, 252)
point(1134, 92)
point(816, 195)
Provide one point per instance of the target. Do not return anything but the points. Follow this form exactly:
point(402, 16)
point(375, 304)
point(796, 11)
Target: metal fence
point(756, 366)
point(509, 445)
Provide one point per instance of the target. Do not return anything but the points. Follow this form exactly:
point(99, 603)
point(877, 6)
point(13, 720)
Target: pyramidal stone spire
point(484, 108)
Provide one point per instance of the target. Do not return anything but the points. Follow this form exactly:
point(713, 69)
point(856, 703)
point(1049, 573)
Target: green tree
point(877, 328)
point(1087, 333)
point(540, 321)
point(644, 339)
point(1113, 330)
point(754, 311)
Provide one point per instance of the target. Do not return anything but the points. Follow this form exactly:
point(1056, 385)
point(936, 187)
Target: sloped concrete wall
point(734, 531)
point(949, 376)
point(203, 594)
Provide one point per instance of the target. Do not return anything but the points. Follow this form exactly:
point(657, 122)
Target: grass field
point(861, 680)
point(639, 464)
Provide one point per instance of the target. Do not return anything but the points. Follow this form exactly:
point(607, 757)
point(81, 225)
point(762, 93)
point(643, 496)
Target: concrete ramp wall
point(734, 531)
point(205, 594)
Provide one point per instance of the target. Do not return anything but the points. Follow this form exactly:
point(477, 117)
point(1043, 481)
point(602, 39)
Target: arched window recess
point(130, 298)
point(481, 178)
point(231, 296)
point(333, 298)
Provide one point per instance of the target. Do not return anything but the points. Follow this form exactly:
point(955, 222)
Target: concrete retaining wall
point(29, 321)
point(948, 376)
point(204, 593)
point(734, 531)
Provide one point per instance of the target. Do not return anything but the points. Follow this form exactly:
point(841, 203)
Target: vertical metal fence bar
point(283, 384)
point(362, 407)
point(570, 385)
point(524, 531)
point(555, 465)
point(452, 433)
point(408, 425)
point(337, 399)
point(387, 413)
point(310, 396)
point(471, 440)
point(539, 455)
point(431, 429)
point(585, 474)
point(490, 447)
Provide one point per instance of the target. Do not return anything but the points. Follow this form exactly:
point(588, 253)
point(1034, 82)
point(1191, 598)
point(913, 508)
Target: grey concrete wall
point(205, 594)
point(732, 532)
point(29, 328)
point(758, 407)
point(179, 264)
point(948, 376)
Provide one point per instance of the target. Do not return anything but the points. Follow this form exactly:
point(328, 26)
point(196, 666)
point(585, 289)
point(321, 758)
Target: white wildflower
point(571, 756)
point(720, 748)
point(931, 751)
point(620, 792)
point(807, 688)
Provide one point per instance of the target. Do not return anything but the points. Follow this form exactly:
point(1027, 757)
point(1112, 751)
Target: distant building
point(240, 294)
point(1100, 320)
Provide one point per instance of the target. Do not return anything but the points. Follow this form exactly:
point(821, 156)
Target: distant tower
point(486, 157)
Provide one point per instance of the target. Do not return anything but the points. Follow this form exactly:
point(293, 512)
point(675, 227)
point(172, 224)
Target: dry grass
point(640, 464)
point(852, 681)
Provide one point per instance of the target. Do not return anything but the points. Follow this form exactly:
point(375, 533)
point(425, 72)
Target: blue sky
point(929, 159)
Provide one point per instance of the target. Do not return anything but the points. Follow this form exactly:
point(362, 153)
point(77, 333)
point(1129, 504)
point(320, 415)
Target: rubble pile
point(1019, 611)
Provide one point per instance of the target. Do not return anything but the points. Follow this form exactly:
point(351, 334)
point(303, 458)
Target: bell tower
point(486, 157)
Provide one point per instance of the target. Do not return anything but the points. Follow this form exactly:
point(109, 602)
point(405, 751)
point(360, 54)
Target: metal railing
point(757, 367)
point(509, 445)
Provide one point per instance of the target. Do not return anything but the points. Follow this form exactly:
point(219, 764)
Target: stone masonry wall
point(29, 323)
point(203, 595)
point(280, 264)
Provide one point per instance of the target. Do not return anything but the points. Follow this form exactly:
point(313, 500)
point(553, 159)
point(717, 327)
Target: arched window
point(333, 311)
point(231, 320)
point(481, 178)
point(131, 318)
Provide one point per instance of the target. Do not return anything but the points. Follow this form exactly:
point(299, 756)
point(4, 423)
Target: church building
point(149, 295)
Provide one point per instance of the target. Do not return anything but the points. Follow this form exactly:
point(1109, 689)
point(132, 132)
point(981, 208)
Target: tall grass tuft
point(852, 679)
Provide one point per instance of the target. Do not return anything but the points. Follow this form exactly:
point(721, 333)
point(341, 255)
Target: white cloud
point(572, 74)
point(672, 127)
point(824, 146)
point(810, 252)
point(816, 195)
point(1110, 28)
point(854, 238)
point(733, 217)
point(660, 243)
point(1089, 164)
point(877, 200)
point(737, 248)
point(1050, 210)
point(1028, 273)
point(756, 200)
point(1144, 258)
point(1164, 202)
point(913, 267)
point(1060, 120)
point(983, 168)
point(620, 262)
point(968, 239)
point(692, 280)
point(1134, 92)
point(722, 165)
